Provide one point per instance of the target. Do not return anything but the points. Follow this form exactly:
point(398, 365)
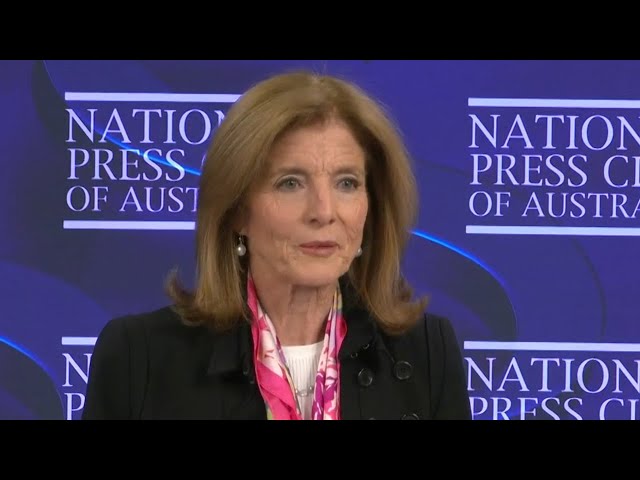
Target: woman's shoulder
point(160, 317)
point(437, 324)
point(434, 331)
point(161, 324)
point(157, 319)
point(429, 323)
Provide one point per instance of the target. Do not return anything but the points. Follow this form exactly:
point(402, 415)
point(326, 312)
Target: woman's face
point(305, 219)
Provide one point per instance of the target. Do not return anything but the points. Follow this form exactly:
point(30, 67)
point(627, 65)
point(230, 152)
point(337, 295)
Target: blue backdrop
point(529, 176)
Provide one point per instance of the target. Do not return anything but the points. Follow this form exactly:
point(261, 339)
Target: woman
point(299, 309)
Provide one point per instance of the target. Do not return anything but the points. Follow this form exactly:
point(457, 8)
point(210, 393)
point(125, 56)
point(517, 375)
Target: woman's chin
point(316, 278)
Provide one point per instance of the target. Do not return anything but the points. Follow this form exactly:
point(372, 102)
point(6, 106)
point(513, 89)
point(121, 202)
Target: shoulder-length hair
point(237, 158)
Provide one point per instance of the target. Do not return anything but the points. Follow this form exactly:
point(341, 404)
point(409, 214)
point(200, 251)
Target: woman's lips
point(319, 249)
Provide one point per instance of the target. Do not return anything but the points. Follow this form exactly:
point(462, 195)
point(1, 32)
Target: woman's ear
point(240, 220)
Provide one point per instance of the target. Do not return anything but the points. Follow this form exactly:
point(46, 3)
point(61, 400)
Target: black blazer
point(151, 366)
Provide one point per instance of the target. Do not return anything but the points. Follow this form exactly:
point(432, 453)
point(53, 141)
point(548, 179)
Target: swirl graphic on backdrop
point(460, 286)
point(27, 391)
point(36, 380)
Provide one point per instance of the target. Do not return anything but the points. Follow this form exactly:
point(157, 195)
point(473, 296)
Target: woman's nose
point(321, 205)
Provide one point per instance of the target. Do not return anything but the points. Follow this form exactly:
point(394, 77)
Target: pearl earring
point(240, 248)
point(359, 252)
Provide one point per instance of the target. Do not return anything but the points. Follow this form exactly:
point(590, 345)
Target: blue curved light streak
point(459, 251)
point(28, 354)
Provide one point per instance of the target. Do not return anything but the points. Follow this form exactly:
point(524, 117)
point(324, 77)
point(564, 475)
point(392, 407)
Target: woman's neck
point(298, 313)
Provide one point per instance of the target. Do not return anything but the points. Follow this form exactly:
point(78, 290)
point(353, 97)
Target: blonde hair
point(237, 158)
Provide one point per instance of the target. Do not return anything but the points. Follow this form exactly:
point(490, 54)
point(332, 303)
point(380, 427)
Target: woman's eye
point(349, 183)
point(289, 184)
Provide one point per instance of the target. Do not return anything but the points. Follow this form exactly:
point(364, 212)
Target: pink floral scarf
point(273, 376)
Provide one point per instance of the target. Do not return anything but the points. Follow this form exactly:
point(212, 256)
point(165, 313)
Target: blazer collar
point(232, 352)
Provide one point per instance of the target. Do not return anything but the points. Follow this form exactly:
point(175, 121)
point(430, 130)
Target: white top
point(302, 361)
